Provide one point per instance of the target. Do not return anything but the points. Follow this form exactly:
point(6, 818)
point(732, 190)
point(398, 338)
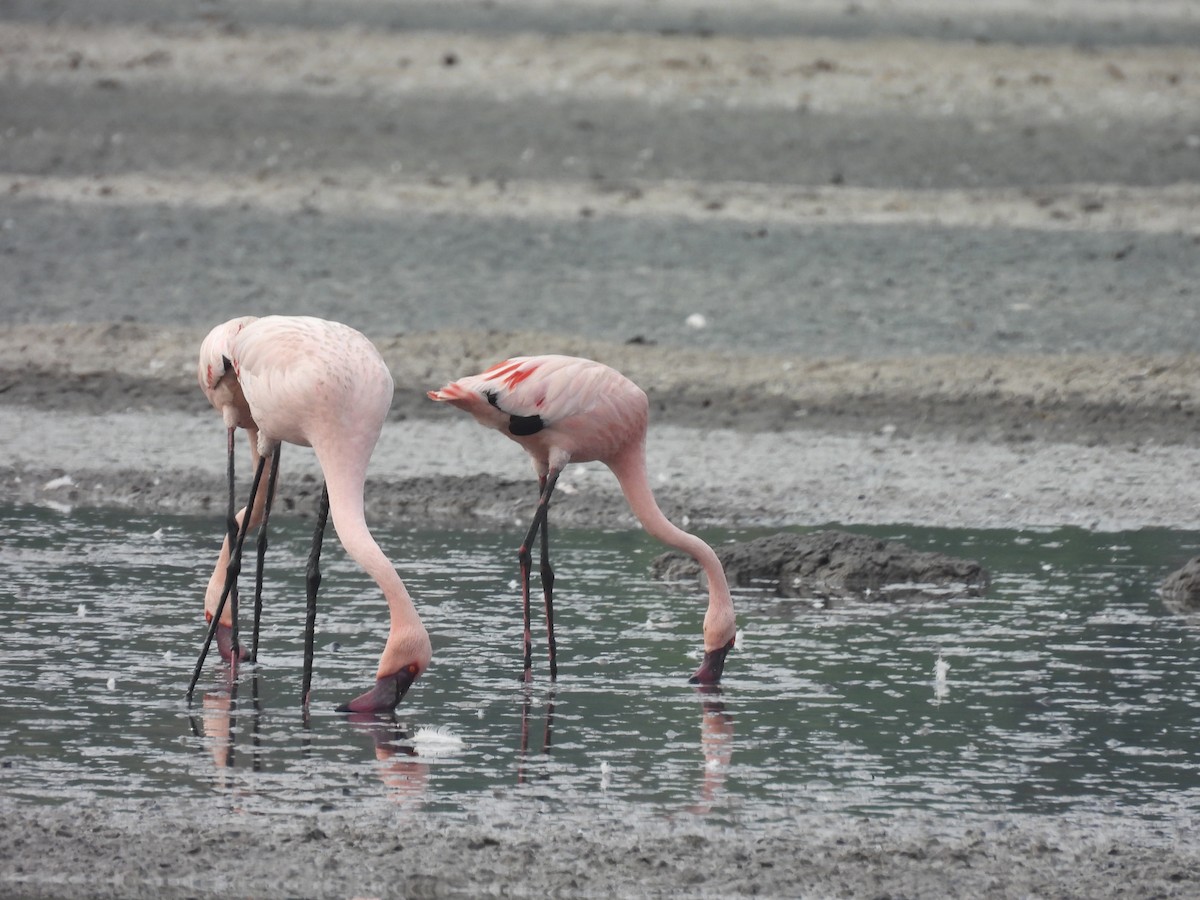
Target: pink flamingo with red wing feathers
point(563, 409)
point(318, 384)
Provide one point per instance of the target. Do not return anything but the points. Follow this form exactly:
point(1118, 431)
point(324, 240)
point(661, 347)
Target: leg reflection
point(547, 730)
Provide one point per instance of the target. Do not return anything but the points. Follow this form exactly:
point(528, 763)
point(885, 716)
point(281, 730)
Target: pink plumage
point(321, 384)
point(564, 409)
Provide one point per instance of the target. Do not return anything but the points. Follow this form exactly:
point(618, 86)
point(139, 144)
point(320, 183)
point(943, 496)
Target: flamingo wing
point(538, 391)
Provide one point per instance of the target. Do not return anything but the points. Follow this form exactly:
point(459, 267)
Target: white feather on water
point(436, 741)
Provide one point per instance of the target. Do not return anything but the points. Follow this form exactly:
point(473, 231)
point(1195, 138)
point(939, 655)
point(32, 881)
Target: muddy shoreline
point(215, 851)
point(110, 415)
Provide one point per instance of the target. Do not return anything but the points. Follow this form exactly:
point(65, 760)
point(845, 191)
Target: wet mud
point(835, 565)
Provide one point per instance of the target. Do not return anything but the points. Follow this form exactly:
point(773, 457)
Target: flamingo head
point(387, 693)
point(712, 666)
point(218, 375)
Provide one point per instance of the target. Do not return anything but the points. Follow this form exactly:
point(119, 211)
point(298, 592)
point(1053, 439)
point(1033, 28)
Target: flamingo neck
point(408, 640)
point(719, 622)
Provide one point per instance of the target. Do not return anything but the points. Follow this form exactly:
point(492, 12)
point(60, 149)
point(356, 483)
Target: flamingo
point(564, 409)
point(318, 384)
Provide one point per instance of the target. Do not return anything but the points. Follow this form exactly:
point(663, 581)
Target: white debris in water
point(55, 483)
point(82, 611)
point(605, 775)
point(436, 741)
point(112, 684)
point(64, 508)
point(157, 536)
point(697, 321)
point(941, 670)
point(168, 655)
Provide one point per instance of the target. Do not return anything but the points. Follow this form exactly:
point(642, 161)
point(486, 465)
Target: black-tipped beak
point(712, 666)
point(386, 695)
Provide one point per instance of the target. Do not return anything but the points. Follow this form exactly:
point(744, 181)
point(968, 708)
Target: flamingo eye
point(491, 398)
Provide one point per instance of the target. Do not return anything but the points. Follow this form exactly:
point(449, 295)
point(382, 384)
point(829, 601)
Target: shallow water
point(1070, 687)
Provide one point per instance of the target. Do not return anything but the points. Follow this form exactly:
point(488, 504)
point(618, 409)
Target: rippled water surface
point(1070, 687)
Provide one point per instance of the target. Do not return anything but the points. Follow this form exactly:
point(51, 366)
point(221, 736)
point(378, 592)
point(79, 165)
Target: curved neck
point(630, 469)
point(346, 511)
point(407, 639)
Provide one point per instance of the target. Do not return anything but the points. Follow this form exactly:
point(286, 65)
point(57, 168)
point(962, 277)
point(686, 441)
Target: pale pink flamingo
point(563, 409)
point(323, 385)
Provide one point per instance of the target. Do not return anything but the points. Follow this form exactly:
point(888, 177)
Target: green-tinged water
point(1070, 687)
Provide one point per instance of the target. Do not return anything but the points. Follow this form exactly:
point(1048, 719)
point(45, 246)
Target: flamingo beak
point(387, 693)
point(712, 666)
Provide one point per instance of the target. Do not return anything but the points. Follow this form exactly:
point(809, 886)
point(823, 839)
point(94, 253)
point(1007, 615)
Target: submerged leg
point(312, 575)
point(525, 557)
point(235, 564)
point(262, 552)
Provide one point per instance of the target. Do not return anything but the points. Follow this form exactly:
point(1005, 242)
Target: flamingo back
point(308, 379)
point(555, 405)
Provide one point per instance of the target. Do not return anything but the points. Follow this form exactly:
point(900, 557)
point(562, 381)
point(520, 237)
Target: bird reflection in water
point(219, 726)
point(398, 764)
point(404, 775)
point(716, 742)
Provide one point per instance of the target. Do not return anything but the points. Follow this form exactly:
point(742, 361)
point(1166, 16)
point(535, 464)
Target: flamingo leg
point(262, 552)
point(525, 557)
point(547, 574)
point(231, 573)
point(312, 578)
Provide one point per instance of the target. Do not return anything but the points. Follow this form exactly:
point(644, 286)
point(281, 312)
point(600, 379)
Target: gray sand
point(1104, 443)
point(947, 264)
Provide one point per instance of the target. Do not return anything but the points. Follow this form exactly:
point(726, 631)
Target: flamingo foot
point(386, 695)
point(225, 644)
point(712, 666)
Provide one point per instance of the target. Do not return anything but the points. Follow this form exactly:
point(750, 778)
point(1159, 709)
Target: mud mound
point(835, 564)
point(1181, 589)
